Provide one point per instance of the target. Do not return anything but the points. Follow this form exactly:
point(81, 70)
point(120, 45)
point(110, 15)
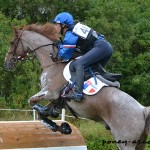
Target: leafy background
point(125, 24)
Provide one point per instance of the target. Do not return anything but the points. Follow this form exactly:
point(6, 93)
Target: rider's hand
point(65, 60)
point(57, 43)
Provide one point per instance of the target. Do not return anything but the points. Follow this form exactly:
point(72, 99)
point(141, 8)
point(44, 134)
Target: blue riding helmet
point(64, 18)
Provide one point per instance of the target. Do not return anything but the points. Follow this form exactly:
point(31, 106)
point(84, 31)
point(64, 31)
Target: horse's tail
point(147, 119)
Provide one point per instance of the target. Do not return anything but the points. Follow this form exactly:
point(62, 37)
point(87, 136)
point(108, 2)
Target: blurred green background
point(125, 24)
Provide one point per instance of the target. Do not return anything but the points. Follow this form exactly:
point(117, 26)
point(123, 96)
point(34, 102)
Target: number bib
point(81, 30)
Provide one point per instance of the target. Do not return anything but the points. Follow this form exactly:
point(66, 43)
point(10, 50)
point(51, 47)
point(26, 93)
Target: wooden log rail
point(34, 135)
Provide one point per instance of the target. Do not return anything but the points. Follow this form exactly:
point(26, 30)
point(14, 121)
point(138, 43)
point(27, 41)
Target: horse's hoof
point(65, 128)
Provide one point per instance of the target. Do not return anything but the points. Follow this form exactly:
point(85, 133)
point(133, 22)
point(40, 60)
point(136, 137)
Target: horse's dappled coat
point(126, 117)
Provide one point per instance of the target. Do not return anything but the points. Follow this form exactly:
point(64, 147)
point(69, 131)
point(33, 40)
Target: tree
point(125, 25)
point(43, 10)
point(14, 85)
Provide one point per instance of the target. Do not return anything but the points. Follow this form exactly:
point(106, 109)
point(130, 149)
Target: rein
point(54, 58)
point(29, 51)
point(41, 47)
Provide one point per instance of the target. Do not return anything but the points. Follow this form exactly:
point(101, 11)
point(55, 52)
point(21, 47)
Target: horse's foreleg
point(52, 110)
point(44, 94)
point(49, 110)
point(44, 112)
point(64, 128)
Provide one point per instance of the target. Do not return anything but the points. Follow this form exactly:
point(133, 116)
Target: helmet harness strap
point(62, 28)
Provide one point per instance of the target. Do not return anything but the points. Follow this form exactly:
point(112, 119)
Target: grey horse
point(127, 119)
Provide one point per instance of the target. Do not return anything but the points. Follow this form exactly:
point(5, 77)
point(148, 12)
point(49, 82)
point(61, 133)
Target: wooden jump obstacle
point(33, 135)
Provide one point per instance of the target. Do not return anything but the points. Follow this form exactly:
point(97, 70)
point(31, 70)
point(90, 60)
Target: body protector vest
point(87, 37)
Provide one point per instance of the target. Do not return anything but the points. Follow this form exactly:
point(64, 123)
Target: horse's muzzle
point(9, 65)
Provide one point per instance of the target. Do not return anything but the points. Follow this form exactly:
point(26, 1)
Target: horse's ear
point(15, 30)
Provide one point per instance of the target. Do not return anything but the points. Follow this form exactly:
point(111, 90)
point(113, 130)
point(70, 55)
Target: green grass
point(15, 115)
point(95, 134)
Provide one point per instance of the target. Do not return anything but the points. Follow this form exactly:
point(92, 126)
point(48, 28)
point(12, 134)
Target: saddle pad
point(66, 73)
point(90, 87)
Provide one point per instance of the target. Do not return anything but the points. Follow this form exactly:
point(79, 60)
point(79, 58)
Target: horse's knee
point(32, 101)
point(29, 102)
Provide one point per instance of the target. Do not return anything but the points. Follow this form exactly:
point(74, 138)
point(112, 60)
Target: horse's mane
point(48, 30)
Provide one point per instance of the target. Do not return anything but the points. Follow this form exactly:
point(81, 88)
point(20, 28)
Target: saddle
point(99, 70)
point(95, 78)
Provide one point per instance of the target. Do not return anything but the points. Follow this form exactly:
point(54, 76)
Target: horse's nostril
point(6, 65)
point(9, 65)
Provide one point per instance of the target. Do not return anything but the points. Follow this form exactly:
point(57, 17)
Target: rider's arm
point(68, 46)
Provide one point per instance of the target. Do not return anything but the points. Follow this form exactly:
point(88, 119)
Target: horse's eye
point(12, 42)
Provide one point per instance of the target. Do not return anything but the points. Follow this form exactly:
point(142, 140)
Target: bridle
point(26, 54)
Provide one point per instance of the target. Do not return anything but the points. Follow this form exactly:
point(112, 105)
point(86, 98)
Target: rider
point(93, 46)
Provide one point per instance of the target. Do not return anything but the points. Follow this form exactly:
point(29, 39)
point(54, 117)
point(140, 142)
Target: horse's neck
point(35, 40)
point(43, 56)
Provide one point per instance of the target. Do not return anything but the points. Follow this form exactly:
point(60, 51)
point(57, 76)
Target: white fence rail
point(63, 115)
point(34, 112)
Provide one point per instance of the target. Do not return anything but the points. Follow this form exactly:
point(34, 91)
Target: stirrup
point(75, 96)
point(67, 88)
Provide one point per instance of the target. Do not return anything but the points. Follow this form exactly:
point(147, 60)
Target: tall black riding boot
point(77, 94)
point(79, 79)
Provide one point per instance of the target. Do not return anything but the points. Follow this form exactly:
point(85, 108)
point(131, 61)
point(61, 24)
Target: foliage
point(13, 84)
point(42, 10)
point(124, 23)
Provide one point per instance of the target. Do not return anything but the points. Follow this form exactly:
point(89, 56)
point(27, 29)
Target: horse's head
point(19, 46)
point(17, 51)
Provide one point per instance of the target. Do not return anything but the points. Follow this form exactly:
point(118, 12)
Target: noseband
point(26, 54)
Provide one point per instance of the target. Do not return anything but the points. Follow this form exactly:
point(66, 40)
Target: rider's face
point(57, 27)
